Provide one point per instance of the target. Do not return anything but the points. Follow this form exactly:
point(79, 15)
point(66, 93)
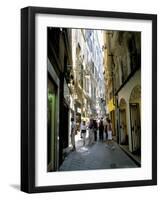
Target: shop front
point(52, 119)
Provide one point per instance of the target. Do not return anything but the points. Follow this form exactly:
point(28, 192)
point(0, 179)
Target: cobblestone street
point(100, 155)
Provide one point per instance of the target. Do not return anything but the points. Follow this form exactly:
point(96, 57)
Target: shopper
point(91, 132)
point(83, 130)
point(101, 129)
point(95, 127)
point(105, 124)
point(109, 130)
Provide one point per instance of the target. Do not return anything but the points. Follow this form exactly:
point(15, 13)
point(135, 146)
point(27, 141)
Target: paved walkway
point(100, 155)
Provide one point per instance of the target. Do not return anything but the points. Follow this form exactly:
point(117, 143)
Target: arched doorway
point(135, 104)
point(123, 122)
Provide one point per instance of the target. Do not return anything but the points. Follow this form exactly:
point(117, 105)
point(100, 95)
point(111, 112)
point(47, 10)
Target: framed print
point(88, 99)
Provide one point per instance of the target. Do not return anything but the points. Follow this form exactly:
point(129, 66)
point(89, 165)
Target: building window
point(133, 53)
point(87, 85)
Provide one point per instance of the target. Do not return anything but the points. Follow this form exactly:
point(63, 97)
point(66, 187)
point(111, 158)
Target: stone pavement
point(100, 155)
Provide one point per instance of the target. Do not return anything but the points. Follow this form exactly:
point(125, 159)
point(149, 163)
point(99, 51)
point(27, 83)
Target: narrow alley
point(93, 89)
point(100, 155)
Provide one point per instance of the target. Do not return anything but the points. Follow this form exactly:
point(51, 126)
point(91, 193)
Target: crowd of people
point(103, 126)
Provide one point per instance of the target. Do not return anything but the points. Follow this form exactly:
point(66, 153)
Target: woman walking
point(83, 132)
point(91, 132)
point(109, 130)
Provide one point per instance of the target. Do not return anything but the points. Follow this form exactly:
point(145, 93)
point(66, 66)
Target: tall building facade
point(75, 86)
point(87, 66)
point(59, 57)
point(122, 74)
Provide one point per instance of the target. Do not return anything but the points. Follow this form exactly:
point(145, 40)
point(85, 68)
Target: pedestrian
point(91, 132)
point(83, 130)
point(95, 127)
point(109, 131)
point(73, 133)
point(105, 124)
point(101, 129)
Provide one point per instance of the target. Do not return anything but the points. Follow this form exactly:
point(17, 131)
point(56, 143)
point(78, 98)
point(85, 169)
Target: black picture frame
point(28, 98)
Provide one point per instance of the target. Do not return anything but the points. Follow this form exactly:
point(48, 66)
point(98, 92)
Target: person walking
point(95, 127)
point(101, 129)
point(91, 132)
point(73, 131)
point(105, 124)
point(110, 143)
point(83, 130)
point(109, 130)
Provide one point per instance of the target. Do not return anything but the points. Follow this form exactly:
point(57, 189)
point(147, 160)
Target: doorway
point(124, 140)
point(135, 127)
point(65, 131)
point(51, 127)
point(123, 127)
